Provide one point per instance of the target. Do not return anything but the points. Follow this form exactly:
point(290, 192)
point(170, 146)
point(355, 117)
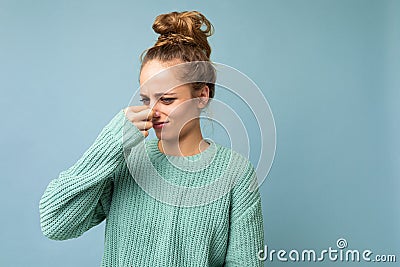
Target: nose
point(156, 112)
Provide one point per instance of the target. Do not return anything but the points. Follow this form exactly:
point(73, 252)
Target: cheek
point(183, 112)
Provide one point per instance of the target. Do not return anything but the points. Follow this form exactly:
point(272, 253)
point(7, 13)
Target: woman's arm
point(80, 197)
point(246, 231)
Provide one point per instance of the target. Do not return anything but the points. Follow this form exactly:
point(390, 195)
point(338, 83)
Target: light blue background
point(329, 69)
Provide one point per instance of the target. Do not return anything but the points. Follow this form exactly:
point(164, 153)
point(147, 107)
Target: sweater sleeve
point(80, 197)
point(246, 231)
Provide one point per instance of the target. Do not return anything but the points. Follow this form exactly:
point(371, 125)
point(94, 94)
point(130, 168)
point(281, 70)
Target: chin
point(167, 136)
point(164, 136)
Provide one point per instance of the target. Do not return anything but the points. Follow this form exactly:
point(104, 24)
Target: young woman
point(169, 227)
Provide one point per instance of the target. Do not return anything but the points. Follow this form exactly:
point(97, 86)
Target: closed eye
point(166, 100)
point(145, 101)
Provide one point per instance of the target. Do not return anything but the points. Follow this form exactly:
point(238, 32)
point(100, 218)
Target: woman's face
point(175, 111)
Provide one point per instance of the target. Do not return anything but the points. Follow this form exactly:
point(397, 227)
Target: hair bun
point(183, 27)
point(187, 23)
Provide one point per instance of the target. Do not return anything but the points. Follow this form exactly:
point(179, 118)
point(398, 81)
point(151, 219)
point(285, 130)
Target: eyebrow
point(157, 95)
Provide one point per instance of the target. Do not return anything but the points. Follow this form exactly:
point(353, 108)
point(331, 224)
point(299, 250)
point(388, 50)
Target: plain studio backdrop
point(329, 70)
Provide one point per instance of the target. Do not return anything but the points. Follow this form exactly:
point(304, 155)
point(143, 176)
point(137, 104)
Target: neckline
point(193, 162)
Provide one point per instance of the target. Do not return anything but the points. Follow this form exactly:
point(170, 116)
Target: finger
point(150, 115)
point(145, 133)
point(144, 115)
point(132, 110)
point(137, 116)
point(144, 125)
point(136, 108)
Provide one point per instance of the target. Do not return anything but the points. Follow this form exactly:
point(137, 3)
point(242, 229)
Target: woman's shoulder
point(241, 171)
point(237, 160)
point(237, 156)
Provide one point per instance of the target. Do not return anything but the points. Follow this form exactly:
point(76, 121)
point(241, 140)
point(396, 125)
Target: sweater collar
point(189, 163)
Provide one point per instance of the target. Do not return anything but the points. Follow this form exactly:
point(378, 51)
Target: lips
point(159, 125)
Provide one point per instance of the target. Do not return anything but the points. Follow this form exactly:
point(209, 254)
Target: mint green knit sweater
point(146, 227)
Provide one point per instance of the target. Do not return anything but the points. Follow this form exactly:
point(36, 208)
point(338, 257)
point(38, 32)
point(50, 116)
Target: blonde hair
point(182, 38)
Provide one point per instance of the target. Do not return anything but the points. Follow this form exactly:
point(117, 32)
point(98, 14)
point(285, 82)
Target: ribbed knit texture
point(142, 230)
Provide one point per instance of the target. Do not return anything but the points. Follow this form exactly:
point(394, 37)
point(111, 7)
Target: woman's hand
point(141, 117)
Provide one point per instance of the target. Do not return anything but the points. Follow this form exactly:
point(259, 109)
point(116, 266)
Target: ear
point(203, 96)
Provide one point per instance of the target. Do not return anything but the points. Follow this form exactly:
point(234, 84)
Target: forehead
point(156, 68)
point(150, 69)
point(156, 78)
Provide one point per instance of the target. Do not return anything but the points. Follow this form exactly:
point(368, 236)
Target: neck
point(188, 145)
